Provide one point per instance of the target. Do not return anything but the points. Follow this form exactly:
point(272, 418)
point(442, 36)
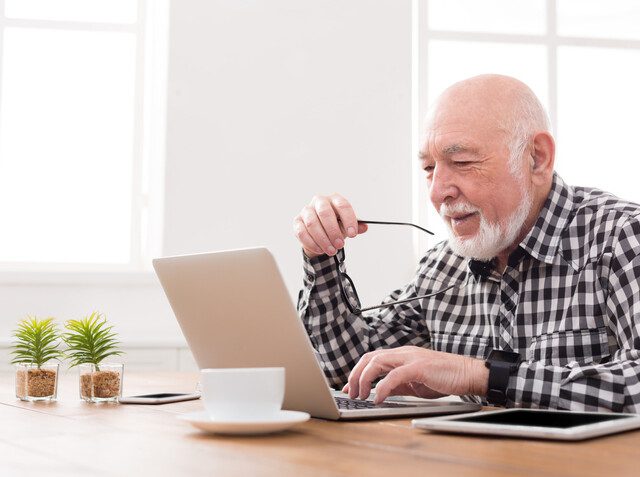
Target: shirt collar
point(543, 239)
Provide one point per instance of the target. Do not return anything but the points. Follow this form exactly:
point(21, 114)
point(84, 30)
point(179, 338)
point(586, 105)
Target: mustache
point(458, 208)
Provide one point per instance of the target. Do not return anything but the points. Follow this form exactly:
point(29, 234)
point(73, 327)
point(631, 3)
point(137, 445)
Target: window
point(80, 140)
point(581, 57)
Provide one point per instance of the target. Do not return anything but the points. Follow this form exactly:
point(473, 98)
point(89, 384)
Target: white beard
point(491, 239)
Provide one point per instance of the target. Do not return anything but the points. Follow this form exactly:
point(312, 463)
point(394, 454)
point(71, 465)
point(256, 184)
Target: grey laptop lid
point(235, 311)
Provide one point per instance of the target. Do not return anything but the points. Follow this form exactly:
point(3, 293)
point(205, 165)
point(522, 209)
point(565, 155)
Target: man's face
point(466, 160)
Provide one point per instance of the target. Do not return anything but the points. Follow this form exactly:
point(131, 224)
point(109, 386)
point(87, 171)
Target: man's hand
point(322, 226)
point(415, 371)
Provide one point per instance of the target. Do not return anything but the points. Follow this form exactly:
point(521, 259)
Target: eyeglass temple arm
point(386, 305)
point(395, 223)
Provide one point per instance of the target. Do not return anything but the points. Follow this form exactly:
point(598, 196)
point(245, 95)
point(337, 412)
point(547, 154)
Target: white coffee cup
point(242, 393)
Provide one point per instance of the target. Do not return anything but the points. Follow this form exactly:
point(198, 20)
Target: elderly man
point(535, 295)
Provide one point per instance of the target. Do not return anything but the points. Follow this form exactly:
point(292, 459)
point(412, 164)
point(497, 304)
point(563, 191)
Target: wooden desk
point(71, 437)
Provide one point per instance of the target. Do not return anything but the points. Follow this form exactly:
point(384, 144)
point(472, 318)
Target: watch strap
point(501, 365)
point(499, 373)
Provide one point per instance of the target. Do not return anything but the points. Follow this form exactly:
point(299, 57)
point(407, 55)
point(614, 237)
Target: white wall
point(269, 103)
point(272, 102)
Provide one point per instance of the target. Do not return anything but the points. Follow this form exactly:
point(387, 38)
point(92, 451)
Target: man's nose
point(442, 187)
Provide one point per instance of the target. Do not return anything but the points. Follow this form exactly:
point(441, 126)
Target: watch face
point(504, 356)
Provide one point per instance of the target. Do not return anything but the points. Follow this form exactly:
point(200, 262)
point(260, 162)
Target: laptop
point(235, 312)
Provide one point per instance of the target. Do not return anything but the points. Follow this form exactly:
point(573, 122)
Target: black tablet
point(533, 423)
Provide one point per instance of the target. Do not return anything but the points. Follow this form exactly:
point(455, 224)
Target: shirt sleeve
point(610, 386)
point(340, 337)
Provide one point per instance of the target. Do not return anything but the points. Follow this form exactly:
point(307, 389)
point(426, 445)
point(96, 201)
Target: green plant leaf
point(36, 341)
point(90, 340)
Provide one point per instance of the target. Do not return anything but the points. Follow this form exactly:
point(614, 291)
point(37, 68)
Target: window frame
point(151, 32)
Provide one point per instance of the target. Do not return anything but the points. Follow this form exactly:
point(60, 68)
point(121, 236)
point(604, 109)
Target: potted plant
point(36, 345)
point(90, 341)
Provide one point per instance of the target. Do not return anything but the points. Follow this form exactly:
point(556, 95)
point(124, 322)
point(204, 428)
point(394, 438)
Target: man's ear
point(543, 154)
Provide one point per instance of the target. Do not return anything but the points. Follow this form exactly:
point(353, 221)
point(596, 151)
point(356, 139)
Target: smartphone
point(160, 398)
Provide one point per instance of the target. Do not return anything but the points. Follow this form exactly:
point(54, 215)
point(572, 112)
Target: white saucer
point(278, 422)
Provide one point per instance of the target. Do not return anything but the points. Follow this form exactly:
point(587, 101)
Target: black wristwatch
point(501, 365)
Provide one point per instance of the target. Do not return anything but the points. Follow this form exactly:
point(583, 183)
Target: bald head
point(502, 98)
point(497, 102)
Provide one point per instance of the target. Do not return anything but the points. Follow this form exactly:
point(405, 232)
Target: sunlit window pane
point(599, 18)
point(451, 61)
point(66, 146)
point(495, 16)
point(598, 104)
point(108, 11)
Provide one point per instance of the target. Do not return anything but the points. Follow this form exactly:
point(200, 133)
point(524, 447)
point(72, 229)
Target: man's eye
point(462, 163)
point(428, 168)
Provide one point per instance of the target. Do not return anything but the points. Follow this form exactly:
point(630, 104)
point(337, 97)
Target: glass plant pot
point(101, 383)
point(37, 384)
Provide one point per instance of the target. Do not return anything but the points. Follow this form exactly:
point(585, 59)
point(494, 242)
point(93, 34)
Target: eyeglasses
point(348, 289)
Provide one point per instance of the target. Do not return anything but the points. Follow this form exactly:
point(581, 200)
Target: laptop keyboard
point(346, 403)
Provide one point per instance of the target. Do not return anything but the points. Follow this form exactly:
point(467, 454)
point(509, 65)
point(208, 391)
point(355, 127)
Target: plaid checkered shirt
point(568, 302)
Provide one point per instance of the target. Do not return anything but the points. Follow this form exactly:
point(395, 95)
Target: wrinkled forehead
point(466, 109)
point(460, 129)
